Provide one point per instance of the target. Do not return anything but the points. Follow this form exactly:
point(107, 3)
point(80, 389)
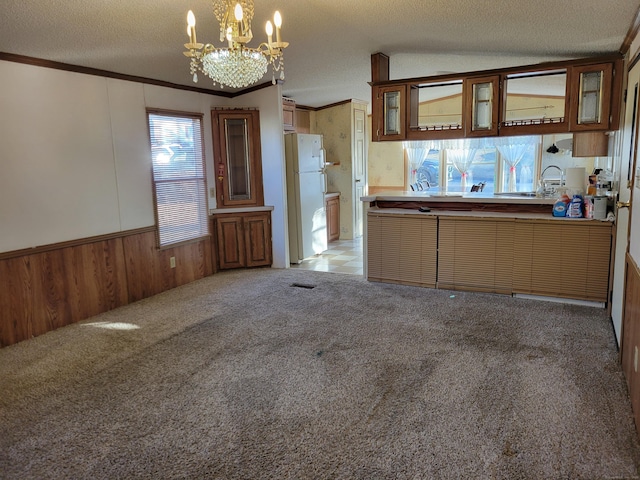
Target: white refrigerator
point(306, 186)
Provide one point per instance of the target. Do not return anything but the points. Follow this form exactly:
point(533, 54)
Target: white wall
point(269, 102)
point(57, 176)
point(75, 160)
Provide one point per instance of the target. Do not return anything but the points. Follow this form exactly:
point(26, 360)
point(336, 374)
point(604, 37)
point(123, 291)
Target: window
point(468, 166)
point(507, 164)
point(179, 183)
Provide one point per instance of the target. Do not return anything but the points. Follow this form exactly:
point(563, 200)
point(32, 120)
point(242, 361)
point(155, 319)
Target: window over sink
point(505, 164)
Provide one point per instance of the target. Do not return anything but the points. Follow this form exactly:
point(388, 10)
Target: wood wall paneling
point(48, 290)
point(149, 269)
point(43, 291)
point(16, 305)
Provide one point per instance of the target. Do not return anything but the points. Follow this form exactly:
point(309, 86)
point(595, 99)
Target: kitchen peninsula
point(508, 244)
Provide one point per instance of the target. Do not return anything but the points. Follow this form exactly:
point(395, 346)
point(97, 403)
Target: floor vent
point(303, 285)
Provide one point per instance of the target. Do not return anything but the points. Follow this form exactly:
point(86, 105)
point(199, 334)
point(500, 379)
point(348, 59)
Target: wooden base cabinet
point(475, 254)
point(553, 258)
point(563, 259)
point(243, 239)
point(402, 249)
point(333, 218)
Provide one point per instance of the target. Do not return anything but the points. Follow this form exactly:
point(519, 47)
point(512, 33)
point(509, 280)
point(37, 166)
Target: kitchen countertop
point(436, 196)
point(476, 205)
point(477, 214)
point(265, 208)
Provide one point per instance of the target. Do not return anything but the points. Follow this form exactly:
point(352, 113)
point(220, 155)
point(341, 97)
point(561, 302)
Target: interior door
point(359, 168)
point(627, 277)
point(626, 152)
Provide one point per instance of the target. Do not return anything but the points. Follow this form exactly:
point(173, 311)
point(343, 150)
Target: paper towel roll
point(576, 178)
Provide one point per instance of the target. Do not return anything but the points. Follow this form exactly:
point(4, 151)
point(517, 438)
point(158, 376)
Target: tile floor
point(342, 256)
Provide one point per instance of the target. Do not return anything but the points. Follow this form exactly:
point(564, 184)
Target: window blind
point(179, 182)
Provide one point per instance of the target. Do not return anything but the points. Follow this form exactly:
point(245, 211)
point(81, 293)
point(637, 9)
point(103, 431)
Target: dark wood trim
point(39, 62)
point(74, 243)
point(305, 107)
point(324, 107)
point(379, 67)
point(631, 34)
point(331, 105)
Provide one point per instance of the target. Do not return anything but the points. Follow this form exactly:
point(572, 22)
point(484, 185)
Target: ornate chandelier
point(235, 65)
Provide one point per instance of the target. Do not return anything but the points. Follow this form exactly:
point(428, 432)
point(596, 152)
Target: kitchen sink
point(515, 194)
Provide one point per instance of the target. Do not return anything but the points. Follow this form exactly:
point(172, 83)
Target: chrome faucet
point(545, 190)
point(547, 168)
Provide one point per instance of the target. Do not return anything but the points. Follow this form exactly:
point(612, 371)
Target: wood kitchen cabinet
point(475, 254)
point(554, 97)
point(333, 218)
point(237, 158)
point(481, 106)
point(389, 113)
point(591, 91)
point(288, 115)
point(562, 259)
point(243, 239)
point(402, 249)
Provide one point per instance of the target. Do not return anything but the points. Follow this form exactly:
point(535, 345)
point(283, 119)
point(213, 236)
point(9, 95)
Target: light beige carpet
point(244, 376)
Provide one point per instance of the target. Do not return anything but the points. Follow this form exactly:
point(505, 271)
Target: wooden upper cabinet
point(535, 102)
point(288, 115)
point(555, 97)
point(237, 158)
point(481, 106)
point(591, 97)
point(389, 113)
point(436, 110)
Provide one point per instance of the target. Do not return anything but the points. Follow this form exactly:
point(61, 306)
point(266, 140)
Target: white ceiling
point(331, 41)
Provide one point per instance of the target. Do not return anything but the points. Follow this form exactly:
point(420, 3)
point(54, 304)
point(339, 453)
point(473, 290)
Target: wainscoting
point(45, 288)
point(631, 335)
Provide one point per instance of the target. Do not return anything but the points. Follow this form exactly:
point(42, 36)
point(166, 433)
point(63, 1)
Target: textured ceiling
point(331, 41)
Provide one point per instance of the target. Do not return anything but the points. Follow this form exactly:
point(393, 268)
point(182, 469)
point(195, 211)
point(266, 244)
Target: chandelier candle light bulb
point(191, 24)
point(236, 65)
point(277, 19)
point(269, 29)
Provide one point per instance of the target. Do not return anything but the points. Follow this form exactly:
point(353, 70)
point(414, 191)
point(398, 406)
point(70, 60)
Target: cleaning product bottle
point(575, 209)
point(560, 207)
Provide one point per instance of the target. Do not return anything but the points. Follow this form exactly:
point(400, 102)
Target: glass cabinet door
point(482, 98)
point(591, 96)
point(390, 113)
point(482, 101)
point(590, 100)
point(391, 102)
point(237, 158)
